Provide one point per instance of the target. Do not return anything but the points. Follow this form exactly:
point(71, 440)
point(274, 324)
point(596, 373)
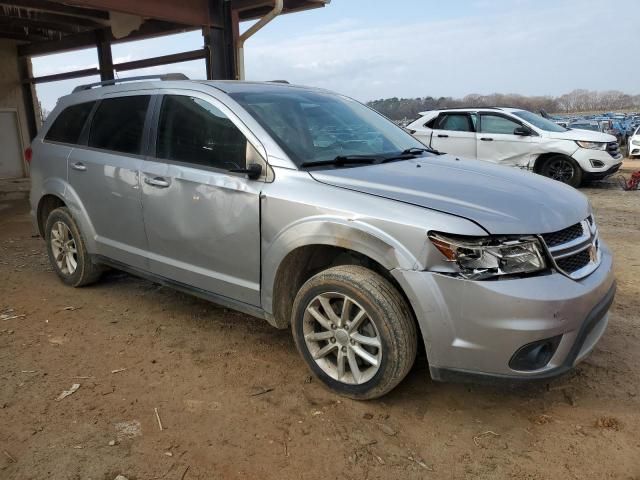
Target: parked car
point(518, 138)
point(315, 213)
point(634, 144)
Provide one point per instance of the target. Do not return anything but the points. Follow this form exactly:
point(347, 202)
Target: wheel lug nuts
point(344, 349)
point(333, 340)
point(352, 341)
point(333, 326)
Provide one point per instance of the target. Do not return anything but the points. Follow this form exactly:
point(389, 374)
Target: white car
point(518, 138)
point(634, 143)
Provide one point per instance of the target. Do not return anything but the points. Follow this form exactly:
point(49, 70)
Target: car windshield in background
point(538, 121)
point(585, 126)
point(318, 127)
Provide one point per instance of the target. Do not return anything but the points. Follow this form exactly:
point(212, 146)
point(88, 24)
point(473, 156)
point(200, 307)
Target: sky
point(371, 49)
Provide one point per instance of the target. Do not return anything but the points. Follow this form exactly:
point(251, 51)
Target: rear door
point(454, 133)
point(104, 172)
point(201, 219)
point(497, 143)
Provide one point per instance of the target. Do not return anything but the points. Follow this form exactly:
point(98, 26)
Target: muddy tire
point(67, 251)
point(564, 169)
point(355, 331)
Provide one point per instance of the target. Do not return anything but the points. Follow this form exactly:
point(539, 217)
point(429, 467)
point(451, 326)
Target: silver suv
point(311, 211)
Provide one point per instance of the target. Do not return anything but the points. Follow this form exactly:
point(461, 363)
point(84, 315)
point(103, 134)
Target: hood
point(503, 200)
point(583, 135)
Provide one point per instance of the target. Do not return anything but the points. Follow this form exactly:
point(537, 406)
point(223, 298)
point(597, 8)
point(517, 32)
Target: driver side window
point(192, 130)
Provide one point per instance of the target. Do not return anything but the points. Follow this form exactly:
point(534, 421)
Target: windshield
point(585, 126)
point(316, 127)
point(538, 121)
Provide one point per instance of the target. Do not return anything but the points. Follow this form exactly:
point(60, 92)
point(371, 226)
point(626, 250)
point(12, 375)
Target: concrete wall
point(10, 89)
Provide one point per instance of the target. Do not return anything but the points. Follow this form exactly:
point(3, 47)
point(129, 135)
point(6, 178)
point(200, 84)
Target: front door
point(202, 220)
point(497, 143)
point(454, 133)
point(104, 174)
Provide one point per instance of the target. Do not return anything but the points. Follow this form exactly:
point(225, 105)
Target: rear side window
point(456, 122)
point(194, 131)
point(118, 124)
point(68, 125)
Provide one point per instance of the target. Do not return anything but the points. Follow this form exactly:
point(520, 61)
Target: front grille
point(613, 149)
point(574, 262)
point(563, 236)
point(575, 250)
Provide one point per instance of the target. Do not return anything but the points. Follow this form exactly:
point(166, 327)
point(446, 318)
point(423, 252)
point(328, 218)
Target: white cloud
point(519, 48)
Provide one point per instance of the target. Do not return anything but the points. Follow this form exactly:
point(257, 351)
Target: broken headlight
point(486, 257)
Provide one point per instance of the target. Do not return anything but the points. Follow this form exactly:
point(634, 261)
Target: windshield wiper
point(341, 160)
point(418, 150)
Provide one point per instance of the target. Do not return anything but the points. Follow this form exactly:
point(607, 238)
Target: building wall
point(10, 90)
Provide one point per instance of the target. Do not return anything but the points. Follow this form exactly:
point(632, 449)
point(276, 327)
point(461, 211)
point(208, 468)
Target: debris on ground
point(74, 388)
point(118, 370)
point(610, 423)
point(387, 430)
point(158, 418)
point(128, 429)
point(484, 434)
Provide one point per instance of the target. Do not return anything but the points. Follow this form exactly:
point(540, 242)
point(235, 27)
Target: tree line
point(579, 100)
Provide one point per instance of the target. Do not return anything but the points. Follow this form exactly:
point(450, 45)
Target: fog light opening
point(534, 355)
point(596, 163)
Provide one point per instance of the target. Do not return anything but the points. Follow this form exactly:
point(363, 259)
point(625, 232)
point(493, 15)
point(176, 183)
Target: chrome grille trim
point(587, 241)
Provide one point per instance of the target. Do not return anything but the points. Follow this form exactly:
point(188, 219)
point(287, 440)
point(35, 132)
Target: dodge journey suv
point(308, 209)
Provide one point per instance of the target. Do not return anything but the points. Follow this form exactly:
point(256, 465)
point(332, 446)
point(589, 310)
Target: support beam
point(162, 60)
point(219, 42)
point(105, 58)
point(24, 69)
point(56, 77)
point(149, 29)
point(55, 7)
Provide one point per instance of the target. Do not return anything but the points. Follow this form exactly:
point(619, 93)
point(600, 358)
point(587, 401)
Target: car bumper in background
point(473, 329)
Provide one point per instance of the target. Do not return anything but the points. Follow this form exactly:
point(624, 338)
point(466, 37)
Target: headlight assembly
point(592, 145)
point(635, 142)
point(487, 257)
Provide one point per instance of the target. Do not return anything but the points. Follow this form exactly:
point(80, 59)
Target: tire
point(386, 320)
point(563, 169)
point(66, 246)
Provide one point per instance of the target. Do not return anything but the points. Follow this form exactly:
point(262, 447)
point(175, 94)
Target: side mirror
point(253, 171)
point(522, 131)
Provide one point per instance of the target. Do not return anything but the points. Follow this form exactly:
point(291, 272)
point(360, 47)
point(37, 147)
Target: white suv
point(518, 138)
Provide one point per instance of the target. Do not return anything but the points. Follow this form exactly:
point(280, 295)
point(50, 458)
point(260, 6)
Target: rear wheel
point(563, 169)
point(354, 331)
point(67, 252)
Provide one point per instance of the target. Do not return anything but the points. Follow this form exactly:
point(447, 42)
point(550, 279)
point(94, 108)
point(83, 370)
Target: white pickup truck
point(518, 138)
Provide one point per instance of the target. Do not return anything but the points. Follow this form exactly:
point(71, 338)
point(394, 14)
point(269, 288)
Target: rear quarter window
point(118, 124)
point(66, 128)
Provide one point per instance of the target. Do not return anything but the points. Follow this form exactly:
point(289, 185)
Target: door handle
point(486, 139)
point(81, 167)
point(156, 182)
point(443, 136)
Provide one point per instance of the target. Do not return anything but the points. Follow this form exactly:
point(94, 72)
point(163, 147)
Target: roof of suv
point(467, 109)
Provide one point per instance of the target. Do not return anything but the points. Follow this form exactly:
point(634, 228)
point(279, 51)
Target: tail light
point(28, 154)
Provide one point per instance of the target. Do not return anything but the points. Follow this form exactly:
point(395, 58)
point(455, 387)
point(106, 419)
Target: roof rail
point(166, 76)
point(279, 81)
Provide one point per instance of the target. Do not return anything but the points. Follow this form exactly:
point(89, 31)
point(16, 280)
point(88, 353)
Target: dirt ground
point(236, 401)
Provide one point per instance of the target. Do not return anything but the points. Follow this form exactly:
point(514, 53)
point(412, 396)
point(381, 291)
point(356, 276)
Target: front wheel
point(564, 169)
point(355, 331)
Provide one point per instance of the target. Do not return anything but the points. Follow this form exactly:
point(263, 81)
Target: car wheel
point(355, 331)
point(67, 252)
point(563, 169)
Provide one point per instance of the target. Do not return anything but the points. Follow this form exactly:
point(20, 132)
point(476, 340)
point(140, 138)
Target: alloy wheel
point(342, 338)
point(561, 169)
point(64, 248)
